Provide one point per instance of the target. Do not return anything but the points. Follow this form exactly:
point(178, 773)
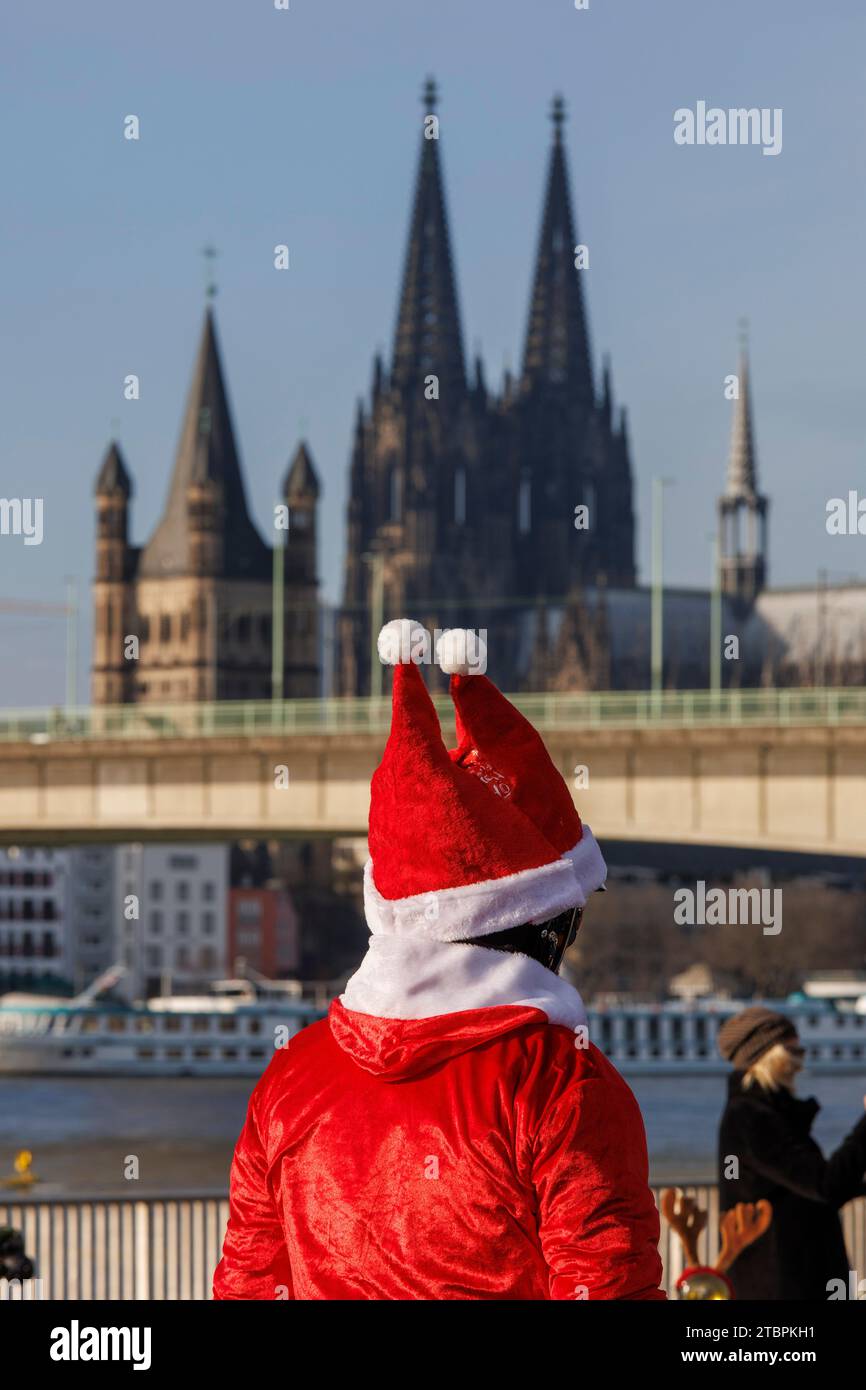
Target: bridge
point(775, 769)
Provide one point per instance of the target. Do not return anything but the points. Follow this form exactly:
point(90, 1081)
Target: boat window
point(172, 1023)
point(230, 1053)
point(91, 1023)
point(145, 1053)
point(201, 1052)
point(117, 1023)
point(143, 1024)
point(254, 1025)
point(201, 1023)
point(228, 1024)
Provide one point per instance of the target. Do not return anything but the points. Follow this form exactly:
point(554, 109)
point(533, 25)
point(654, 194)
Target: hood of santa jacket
point(400, 1048)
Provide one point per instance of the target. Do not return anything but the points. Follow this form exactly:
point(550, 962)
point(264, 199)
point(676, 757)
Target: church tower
point(197, 597)
point(567, 449)
point(111, 589)
point(415, 496)
point(742, 510)
point(301, 495)
point(468, 509)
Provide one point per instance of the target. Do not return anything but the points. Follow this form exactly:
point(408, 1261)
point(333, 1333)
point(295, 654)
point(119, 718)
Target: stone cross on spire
point(210, 254)
point(557, 115)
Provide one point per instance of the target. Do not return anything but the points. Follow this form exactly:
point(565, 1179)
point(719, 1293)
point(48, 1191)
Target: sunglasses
point(560, 933)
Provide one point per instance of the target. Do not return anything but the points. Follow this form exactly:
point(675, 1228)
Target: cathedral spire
point(742, 478)
point(206, 455)
point(557, 340)
point(742, 510)
point(428, 338)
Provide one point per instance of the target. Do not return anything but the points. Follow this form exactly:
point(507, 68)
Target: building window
point(182, 890)
point(182, 923)
point(164, 627)
point(207, 892)
point(156, 923)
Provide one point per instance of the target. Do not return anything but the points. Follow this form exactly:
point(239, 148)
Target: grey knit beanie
point(748, 1035)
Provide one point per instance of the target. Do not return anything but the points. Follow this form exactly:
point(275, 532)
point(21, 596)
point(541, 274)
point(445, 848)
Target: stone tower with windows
point(197, 598)
point(461, 501)
point(742, 509)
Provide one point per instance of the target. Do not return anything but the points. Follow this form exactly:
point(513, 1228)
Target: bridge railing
point(167, 1247)
point(580, 710)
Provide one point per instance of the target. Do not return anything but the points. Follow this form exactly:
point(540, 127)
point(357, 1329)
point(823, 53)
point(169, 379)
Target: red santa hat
point(479, 839)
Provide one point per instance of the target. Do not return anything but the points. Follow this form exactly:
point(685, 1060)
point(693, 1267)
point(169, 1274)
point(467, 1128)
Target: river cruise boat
point(234, 1029)
point(230, 1031)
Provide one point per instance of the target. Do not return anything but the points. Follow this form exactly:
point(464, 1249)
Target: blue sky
point(261, 126)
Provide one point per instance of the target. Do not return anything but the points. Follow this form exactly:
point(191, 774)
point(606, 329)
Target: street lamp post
point(278, 608)
point(71, 644)
point(657, 605)
point(376, 560)
point(716, 619)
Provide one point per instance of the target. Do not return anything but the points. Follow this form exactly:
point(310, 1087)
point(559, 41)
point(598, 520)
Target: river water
point(82, 1131)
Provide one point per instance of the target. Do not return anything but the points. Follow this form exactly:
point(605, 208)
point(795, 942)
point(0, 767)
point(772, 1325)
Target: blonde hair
point(774, 1070)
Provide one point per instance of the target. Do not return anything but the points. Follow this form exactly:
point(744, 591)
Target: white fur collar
point(410, 977)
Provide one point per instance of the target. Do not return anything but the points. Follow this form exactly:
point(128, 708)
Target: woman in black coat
point(766, 1150)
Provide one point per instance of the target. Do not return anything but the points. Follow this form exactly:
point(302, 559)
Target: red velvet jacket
point(474, 1155)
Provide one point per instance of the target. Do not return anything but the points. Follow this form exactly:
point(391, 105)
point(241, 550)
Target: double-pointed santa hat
point(478, 839)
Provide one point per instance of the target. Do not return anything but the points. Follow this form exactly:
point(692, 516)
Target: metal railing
point(167, 1247)
point(618, 709)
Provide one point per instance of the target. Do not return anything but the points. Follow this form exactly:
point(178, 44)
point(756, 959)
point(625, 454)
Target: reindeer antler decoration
point(684, 1215)
point(739, 1227)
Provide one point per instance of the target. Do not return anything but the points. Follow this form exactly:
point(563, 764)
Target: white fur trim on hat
point(401, 641)
point(588, 863)
point(453, 914)
point(461, 652)
point(403, 977)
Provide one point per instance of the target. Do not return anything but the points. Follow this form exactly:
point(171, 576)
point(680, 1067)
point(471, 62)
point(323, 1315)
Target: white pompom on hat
point(461, 652)
point(403, 640)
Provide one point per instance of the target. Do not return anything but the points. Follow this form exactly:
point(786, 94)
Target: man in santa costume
point(450, 1131)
